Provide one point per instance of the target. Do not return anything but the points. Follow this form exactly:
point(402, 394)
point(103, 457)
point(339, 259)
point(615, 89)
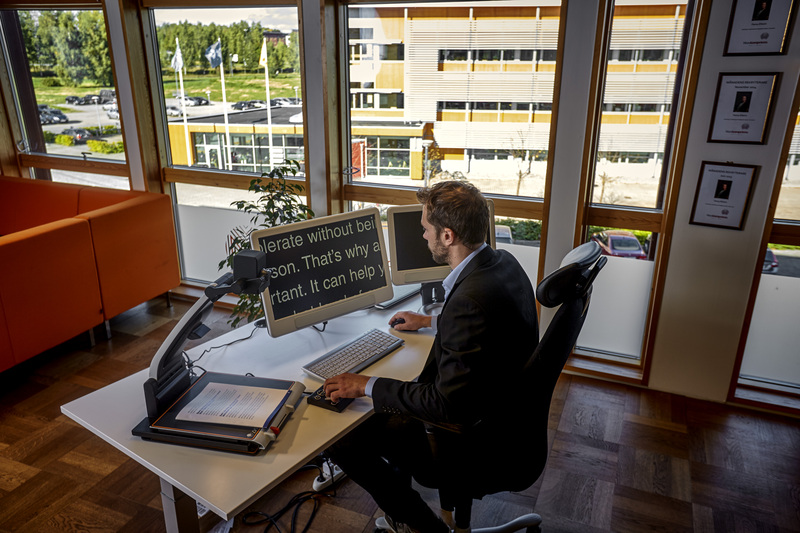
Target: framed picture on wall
point(759, 27)
point(723, 194)
point(742, 107)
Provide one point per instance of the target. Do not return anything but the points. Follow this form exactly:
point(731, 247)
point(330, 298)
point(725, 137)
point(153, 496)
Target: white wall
point(710, 270)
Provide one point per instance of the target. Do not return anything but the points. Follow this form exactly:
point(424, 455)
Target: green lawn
point(240, 86)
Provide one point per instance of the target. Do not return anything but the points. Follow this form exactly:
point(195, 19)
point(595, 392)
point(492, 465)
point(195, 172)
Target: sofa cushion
point(49, 286)
point(135, 249)
point(27, 203)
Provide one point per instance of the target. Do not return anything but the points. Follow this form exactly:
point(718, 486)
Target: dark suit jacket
point(486, 332)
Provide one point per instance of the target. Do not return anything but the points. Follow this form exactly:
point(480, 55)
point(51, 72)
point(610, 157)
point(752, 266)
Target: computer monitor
point(323, 268)
point(411, 259)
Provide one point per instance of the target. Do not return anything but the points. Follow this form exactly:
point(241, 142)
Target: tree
point(94, 45)
point(70, 64)
point(294, 49)
point(46, 28)
point(28, 27)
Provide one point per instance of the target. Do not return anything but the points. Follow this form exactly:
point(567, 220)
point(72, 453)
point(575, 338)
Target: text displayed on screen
point(323, 268)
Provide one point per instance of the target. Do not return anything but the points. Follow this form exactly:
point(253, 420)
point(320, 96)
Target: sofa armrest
point(135, 249)
point(48, 285)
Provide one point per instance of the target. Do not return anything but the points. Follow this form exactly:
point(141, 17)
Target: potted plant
point(277, 203)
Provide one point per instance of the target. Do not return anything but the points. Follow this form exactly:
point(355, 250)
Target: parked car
point(619, 243)
point(113, 113)
point(72, 100)
point(108, 95)
point(194, 100)
point(770, 263)
point(503, 234)
point(49, 115)
point(80, 135)
point(173, 111)
point(244, 104)
point(90, 99)
point(52, 116)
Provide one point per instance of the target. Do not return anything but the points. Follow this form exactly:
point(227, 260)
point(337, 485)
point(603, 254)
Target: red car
point(619, 243)
point(770, 263)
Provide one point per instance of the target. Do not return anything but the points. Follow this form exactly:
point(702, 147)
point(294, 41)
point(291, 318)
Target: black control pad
point(318, 398)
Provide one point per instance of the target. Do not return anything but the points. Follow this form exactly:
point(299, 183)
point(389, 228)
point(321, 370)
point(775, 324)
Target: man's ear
point(448, 237)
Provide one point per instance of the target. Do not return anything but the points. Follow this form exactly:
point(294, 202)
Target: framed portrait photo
point(742, 107)
point(723, 194)
point(759, 27)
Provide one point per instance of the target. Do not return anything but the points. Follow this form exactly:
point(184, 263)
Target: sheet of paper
point(239, 405)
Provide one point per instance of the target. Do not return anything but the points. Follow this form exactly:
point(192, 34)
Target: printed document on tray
point(238, 405)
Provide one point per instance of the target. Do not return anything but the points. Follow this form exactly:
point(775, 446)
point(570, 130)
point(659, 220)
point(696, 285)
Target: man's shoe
point(387, 524)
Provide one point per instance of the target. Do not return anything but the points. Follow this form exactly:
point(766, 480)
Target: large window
point(641, 81)
point(60, 63)
point(770, 359)
point(253, 54)
point(230, 98)
point(449, 105)
point(639, 88)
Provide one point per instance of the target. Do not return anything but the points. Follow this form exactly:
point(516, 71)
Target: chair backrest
point(526, 419)
point(570, 287)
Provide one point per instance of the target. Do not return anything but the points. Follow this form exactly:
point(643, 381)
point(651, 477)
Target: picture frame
point(742, 107)
point(723, 194)
point(759, 27)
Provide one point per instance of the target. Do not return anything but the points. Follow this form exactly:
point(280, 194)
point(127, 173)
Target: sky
point(281, 18)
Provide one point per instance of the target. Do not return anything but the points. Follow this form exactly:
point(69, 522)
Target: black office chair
point(570, 287)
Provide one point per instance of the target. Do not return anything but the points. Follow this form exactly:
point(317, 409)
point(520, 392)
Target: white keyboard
point(353, 356)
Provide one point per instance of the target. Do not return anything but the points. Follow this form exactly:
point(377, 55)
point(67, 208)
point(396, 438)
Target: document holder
point(232, 438)
point(172, 384)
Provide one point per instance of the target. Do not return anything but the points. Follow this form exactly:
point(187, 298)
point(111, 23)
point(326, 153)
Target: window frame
point(33, 163)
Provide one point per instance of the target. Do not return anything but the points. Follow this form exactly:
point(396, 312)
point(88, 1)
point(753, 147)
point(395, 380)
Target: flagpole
point(183, 105)
point(265, 62)
point(225, 111)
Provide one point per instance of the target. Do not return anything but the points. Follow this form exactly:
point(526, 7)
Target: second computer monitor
point(409, 256)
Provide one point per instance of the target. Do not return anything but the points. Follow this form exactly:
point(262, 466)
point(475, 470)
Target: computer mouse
point(396, 321)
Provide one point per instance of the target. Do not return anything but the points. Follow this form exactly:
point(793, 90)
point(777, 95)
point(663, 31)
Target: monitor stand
point(432, 297)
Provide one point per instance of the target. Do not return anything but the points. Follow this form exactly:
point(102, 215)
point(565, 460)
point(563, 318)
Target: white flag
point(177, 59)
point(214, 54)
point(263, 60)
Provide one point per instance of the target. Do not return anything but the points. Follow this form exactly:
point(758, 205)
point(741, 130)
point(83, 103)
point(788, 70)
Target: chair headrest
point(575, 276)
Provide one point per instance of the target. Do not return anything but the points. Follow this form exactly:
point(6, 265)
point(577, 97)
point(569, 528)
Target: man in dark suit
point(486, 331)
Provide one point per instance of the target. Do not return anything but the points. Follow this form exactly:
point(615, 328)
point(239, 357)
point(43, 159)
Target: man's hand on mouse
point(345, 386)
point(409, 321)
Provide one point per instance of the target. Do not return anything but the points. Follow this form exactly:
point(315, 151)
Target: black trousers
point(382, 455)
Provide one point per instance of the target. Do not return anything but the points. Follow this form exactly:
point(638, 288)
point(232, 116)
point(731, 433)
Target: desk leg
point(180, 511)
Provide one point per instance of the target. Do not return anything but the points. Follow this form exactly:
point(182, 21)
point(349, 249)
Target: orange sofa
point(73, 256)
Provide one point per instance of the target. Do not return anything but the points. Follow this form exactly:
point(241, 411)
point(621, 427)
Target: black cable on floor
point(254, 518)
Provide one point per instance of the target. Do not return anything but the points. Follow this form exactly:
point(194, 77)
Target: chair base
point(529, 522)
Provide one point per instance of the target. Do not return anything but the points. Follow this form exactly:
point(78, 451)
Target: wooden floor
point(622, 459)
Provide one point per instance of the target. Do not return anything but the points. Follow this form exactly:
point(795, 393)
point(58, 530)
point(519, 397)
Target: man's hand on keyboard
point(345, 386)
point(411, 321)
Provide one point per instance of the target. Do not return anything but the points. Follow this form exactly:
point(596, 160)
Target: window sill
point(611, 370)
point(759, 397)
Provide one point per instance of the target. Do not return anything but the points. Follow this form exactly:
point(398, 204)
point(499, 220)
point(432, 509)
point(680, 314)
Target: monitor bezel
point(428, 274)
point(317, 315)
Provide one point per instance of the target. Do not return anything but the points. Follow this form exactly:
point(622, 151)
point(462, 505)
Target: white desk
point(227, 483)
